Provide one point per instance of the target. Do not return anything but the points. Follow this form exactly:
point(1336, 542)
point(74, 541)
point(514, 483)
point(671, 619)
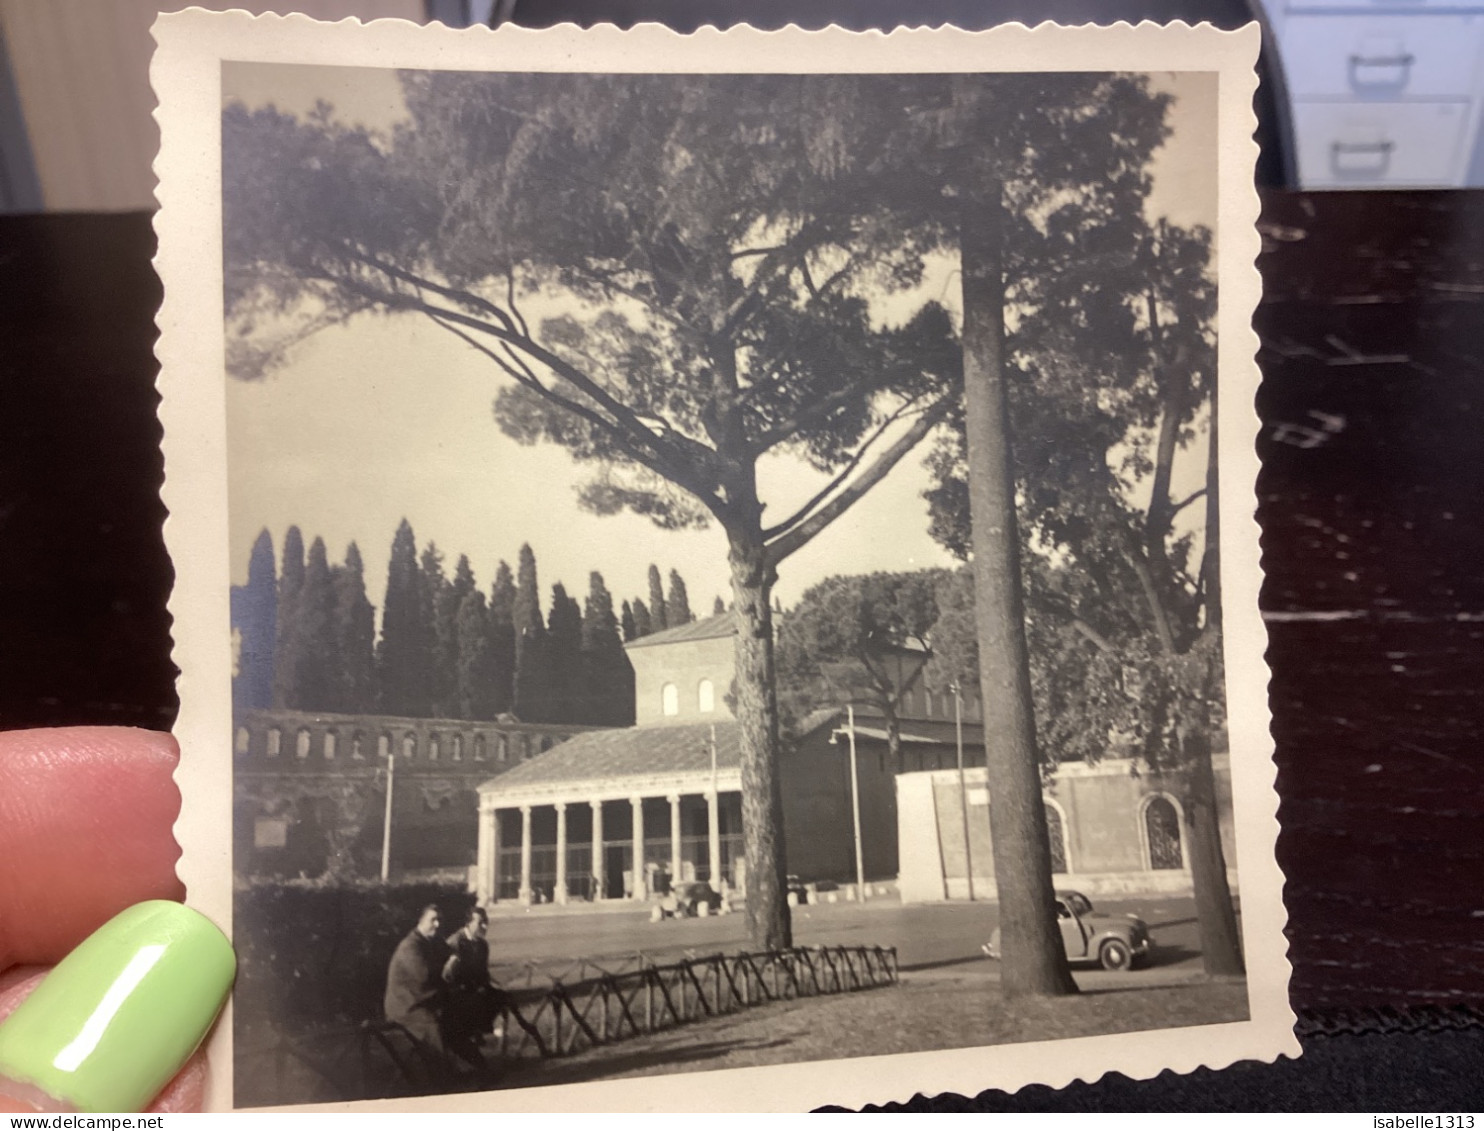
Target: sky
point(387, 418)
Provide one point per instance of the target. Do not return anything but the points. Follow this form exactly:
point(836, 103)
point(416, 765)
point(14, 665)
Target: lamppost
point(963, 789)
point(386, 822)
point(855, 798)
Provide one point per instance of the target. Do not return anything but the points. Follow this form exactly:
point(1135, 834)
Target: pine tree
point(286, 641)
point(257, 621)
point(476, 661)
point(607, 673)
point(677, 605)
point(314, 630)
point(355, 636)
point(564, 643)
point(627, 623)
point(403, 658)
point(502, 638)
point(659, 615)
point(643, 626)
point(532, 669)
point(718, 606)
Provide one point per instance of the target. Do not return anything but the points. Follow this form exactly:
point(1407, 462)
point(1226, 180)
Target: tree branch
point(844, 473)
point(800, 535)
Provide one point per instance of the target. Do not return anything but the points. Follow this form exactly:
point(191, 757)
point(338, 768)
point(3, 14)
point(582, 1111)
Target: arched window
point(502, 748)
point(409, 744)
point(927, 702)
point(275, 741)
point(433, 742)
point(527, 748)
point(329, 746)
point(1162, 834)
point(706, 696)
point(481, 748)
point(383, 745)
point(456, 747)
point(244, 740)
point(358, 746)
point(1056, 830)
point(301, 743)
point(670, 699)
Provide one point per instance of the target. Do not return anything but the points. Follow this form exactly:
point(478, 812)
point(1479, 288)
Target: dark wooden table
point(1371, 502)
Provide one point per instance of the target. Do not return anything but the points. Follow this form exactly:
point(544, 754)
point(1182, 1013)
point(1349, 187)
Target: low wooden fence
point(546, 1013)
point(607, 1006)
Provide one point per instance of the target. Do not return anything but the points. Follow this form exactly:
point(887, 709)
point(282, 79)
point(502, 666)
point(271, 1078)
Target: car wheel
point(1114, 954)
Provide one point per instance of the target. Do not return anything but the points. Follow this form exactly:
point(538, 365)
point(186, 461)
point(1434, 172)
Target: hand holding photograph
point(888, 713)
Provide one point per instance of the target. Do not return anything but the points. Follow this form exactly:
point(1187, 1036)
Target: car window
point(1061, 910)
point(1080, 904)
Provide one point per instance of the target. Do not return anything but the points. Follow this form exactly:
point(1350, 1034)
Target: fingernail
point(116, 1018)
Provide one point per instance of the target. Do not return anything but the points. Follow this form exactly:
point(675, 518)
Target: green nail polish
point(109, 1027)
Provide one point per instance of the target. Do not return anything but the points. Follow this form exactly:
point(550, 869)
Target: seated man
point(472, 998)
point(415, 992)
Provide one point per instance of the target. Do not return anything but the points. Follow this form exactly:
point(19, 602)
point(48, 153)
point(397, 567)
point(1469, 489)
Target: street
point(933, 941)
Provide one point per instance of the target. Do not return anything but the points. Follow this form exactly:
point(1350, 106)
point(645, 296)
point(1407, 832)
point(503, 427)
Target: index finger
point(85, 831)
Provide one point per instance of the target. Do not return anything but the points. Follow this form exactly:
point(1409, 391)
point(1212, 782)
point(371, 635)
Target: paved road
point(932, 940)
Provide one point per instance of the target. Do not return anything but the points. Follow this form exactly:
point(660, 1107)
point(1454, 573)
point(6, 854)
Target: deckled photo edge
point(186, 72)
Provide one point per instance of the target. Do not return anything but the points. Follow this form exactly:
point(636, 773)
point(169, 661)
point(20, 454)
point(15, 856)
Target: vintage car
point(1116, 942)
point(685, 899)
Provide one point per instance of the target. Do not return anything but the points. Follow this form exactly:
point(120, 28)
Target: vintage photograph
point(724, 564)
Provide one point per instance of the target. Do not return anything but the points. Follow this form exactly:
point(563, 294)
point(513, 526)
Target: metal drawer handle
point(1360, 158)
point(1381, 72)
point(1382, 60)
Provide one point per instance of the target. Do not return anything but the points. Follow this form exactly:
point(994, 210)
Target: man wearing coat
point(415, 990)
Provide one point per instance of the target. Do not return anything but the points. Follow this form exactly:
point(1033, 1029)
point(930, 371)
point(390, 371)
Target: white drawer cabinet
point(1385, 94)
point(1380, 144)
point(1382, 57)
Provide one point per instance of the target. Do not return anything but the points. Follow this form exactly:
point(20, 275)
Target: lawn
point(920, 1014)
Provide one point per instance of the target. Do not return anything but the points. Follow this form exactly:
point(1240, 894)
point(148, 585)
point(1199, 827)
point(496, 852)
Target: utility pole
point(855, 803)
point(386, 823)
point(963, 789)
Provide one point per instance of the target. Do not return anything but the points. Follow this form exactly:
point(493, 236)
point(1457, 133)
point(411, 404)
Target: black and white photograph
point(716, 554)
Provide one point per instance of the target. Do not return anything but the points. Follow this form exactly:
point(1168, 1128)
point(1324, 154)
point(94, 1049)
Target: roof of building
point(710, 628)
point(630, 752)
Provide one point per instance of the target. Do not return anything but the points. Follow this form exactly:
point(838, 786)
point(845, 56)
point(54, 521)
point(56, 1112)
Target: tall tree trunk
point(1221, 946)
point(1035, 960)
point(768, 922)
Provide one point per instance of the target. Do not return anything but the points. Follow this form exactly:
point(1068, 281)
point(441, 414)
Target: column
point(675, 875)
point(598, 884)
point(525, 854)
point(637, 805)
point(713, 839)
point(560, 895)
point(487, 852)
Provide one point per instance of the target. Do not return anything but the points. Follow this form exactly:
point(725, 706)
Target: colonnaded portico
point(571, 825)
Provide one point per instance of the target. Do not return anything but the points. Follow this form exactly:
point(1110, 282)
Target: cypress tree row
point(658, 613)
point(564, 642)
point(314, 636)
point(606, 670)
point(255, 614)
point(643, 626)
point(355, 636)
point(286, 641)
point(502, 638)
point(307, 638)
point(476, 675)
point(677, 605)
point(403, 658)
point(532, 671)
